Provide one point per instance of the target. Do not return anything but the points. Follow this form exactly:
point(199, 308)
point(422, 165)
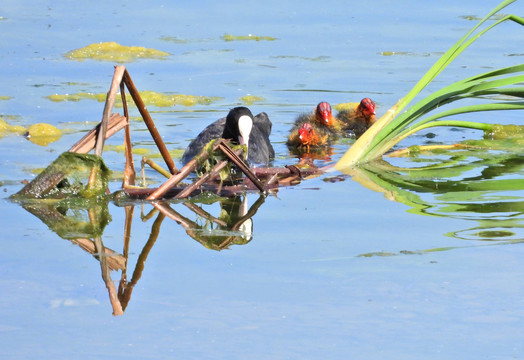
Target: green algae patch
point(167, 100)
point(175, 154)
point(43, 134)
point(499, 132)
point(77, 97)
point(72, 219)
point(150, 98)
point(346, 106)
point(229, 37)
point(5, 128)
point(68, 176)
point(112, 51)
point(122, 148)
point(251, 99)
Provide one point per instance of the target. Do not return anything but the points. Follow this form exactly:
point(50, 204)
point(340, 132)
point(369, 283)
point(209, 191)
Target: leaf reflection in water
point(475, 184)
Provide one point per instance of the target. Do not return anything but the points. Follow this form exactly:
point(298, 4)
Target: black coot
point(238, 125)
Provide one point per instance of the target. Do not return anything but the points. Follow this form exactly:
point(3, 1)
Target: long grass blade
point(390, 129)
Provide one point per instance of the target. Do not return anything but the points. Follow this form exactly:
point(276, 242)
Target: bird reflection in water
point(233, 225)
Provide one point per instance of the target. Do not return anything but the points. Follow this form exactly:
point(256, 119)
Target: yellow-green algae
point(43, 134)
point(166, 100)
point(77, 97)
point(229, 37)
point(121, 149)
point(112, 51)
point(499, 131)
point(70, 175)
point(5, 128)
point(345, 106)
point(150, 98)
point(251, 99)
point(175, 153)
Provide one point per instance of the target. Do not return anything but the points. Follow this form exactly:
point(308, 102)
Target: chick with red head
point(358, 119)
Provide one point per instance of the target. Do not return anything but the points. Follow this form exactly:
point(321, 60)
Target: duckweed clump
point(112, 51)
point(121, 149)
point(5, 128)
point(167, 100)
point(150, 98)
point(251, 99)
point(77, 97)
point(345, 106)
point(43, 134)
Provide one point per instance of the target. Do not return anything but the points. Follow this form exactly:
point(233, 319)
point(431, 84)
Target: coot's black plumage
point(260, 151)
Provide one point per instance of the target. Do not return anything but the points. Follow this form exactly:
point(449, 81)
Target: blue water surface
point(335, 267)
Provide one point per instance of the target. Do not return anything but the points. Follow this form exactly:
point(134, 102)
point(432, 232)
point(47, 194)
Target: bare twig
point(175, 179)
point(149, 123)
point(87, 143)
point(129, 172)
point(240, 163)
point(108, 108)
point(203, 179)
point(154, 166)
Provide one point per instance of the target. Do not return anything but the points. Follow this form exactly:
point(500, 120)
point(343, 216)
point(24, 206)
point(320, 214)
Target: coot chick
point(322, 116)
point(323, 122)
point(309, 135)
point(359, 118)
point(242, 128)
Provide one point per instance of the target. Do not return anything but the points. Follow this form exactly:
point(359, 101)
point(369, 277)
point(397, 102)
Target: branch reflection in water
point(83, 224)
point(483, 188)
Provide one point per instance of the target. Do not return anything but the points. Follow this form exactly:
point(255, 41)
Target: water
point(334, 269)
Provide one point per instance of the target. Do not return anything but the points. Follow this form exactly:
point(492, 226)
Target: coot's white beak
point(245, 124)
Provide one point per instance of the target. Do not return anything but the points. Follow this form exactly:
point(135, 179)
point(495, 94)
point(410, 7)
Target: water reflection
point(82, 222)
point(484, 188)
point(309, 154)
point(232, 226)
point(469, 185)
